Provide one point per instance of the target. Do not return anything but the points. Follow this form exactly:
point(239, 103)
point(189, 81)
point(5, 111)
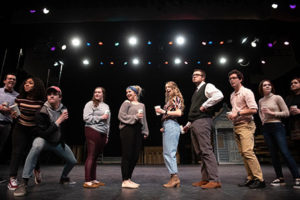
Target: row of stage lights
point(274, 5)
point(177, 61)
point(179, 41)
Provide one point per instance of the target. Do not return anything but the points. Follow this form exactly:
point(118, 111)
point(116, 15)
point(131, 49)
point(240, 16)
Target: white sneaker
point(134, 183)
point(278, 182)
point(128, 184)
point(297, 183)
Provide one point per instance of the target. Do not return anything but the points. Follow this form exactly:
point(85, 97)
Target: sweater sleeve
point(145, 129)
point(88, 114)
point(44, 127)
point(261, 115)
point(123, 115)
point(108, 122)
point(284, 111)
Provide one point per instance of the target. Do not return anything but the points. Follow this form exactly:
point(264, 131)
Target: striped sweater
point(28, 108)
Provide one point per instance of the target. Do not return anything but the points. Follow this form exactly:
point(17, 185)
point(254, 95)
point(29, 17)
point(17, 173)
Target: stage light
point(63, 47)
point(177, 61)
point(85, 62)
point(243, 62)
point(46, 11)
point(135, 61)
point(101, 63)
point(240, 60)
point(170, 43)
point(209, 63)
point(270, 45)
point(198, 62)
point(186, 62)
point(222, 60)
point(149, 62)
point(52, 48)
point(203, 43)
point(88, 44)
point(55, 64)
point(286, 43)
point(274, 5)
point(292, 6)
point(32, 11)
point(149, 42)
point(132, 41)
point(117, 44)
point(76, 42)
point(100, 43)
point(210, 42)
point(180, 40)
point(221, 42)
point(244, 40)
point(254, 42)
point(125, 63)
point(263, 62)
point(111, 63)
point(166, 62)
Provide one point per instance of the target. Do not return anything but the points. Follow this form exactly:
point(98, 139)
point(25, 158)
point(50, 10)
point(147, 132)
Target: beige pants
point(244, 137)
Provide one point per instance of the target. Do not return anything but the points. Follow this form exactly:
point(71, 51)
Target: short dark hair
point(260, 87)
point(202, 71)
point(10, 73)
point(238, 73)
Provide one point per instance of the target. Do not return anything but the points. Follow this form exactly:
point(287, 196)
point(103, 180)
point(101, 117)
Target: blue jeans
point(40, 144)
point(274, 134)
point(170, 142)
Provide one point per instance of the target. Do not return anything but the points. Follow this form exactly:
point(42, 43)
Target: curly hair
point(37, 93)
point(95, 101)
point(175, 92)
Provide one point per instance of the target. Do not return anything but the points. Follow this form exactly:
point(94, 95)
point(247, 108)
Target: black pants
point(131, 141)
point(22, 138)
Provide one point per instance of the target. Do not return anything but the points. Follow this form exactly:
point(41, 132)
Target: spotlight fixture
point(223, 60)
point(117, 44)
point(135, 61)
point(32, 11)
point(274, 5)
point(85, 62)
point(180, 40)
point(100, 43)
point(149, 42)
point(46, 11)
point(149, 62)
point(76, 42)
point(293, 6)
point(88, 44)
point(286, 43)
point(63, 47)
point(52, 48)
point(177, 61)
point(244, 40)
point(132, 41)
point(254, 42)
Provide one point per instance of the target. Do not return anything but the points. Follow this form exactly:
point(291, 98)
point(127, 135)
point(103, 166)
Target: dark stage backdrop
point(78, 81)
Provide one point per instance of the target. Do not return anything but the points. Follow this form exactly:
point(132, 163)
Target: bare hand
point(64, 116)
point(159, 110)
point(185, 129)
point(140, 115)
point(4, 109)
point(105, 116)
point(232, 116)
point(294, 111)
point(162, 130)
point(202, 109)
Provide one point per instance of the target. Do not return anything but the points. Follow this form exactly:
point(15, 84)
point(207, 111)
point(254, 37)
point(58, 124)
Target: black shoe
point(257, 184)
point(66, 180)
point(246, 183)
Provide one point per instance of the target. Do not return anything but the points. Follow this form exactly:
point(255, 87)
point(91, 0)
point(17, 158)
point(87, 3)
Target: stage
point(151, 179)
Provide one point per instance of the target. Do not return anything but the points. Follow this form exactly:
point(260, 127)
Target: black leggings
point(131, 141)
point(22, 138)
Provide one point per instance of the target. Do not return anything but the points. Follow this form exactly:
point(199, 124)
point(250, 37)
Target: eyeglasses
point(230, 78)
point(197, 75)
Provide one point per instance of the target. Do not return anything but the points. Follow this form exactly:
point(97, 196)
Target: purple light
point(292, 6)
point(52, 48)
point(270, 45)
point(32, 11)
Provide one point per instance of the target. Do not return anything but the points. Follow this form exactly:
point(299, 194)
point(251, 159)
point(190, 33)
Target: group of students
point(40, 126)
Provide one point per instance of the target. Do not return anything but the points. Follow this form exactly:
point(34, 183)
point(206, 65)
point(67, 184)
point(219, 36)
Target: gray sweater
point(127, 115)
point(92, 117)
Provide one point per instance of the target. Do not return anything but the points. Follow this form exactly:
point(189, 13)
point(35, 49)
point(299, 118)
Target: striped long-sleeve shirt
point(28, 108)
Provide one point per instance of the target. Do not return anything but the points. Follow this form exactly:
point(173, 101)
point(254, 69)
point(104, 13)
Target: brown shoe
point(211, 185)
point(99, 183)
point(198, 184)
point(173, 182)
point(90, 186)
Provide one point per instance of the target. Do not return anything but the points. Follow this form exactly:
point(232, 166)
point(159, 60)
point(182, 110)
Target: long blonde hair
point(175, 92)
